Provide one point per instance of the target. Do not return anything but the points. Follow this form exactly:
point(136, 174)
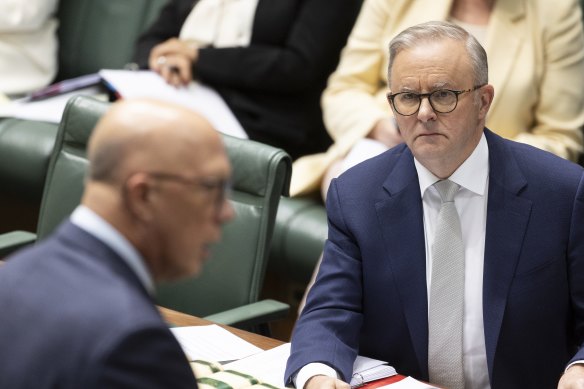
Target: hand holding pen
point(173, 60)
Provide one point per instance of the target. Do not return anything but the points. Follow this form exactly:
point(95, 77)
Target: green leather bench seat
point(299, 235)
point(25, 147)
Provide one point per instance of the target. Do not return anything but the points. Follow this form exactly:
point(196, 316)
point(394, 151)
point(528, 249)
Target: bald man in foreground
point(76, 308)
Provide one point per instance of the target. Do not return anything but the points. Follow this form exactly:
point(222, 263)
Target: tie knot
point(447, 189)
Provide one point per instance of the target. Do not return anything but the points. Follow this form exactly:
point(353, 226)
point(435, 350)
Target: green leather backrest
point(98, 34)
point(68, 164)
point(234, 275)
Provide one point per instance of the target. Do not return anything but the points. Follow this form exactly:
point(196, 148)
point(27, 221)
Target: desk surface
point(263, 342)
point(182, 319)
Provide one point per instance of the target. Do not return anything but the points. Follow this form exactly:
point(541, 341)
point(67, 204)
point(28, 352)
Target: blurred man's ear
point(138, 195)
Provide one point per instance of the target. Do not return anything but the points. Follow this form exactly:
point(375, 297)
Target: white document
point(267, 366)
point(196, 96)
point(46, 110)
point(408, 383)
point(212, 343)
point(368, 369)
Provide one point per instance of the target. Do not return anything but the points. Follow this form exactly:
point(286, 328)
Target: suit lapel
point(400, 202)
point(505, 26)
point(507, 220)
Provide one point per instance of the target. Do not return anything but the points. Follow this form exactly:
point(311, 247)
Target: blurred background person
point(28, 45)
point(536, 58)
point(269, 60)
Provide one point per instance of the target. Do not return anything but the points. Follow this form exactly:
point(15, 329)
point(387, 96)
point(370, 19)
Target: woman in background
point(268, 59)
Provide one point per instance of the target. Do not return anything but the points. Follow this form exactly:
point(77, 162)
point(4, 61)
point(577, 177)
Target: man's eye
point(408, 96)
point(442, 94)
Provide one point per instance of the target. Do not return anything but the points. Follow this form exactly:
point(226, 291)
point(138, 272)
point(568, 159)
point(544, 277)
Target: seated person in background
point(536, 52)
point(28, 45)
point(77, 309)
point(268, 59)
point(457, 256)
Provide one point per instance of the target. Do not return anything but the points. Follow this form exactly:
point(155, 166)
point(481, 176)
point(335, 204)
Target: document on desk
point(269, 366)
point(212, 343)
point(46, 110)
point(196, 96)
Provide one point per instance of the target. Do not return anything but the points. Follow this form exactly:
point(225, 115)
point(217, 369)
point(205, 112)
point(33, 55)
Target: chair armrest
point(251, 314)
point(12, 241)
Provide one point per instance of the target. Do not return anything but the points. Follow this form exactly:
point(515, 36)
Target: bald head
point(157, 174)
point(141, 134)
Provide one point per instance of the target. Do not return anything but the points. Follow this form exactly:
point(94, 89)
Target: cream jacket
point(536, 65)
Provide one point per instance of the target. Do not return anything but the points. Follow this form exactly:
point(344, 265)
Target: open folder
point(196, 96)
point(48, 104)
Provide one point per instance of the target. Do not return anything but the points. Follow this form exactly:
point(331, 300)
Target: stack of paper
point(213, 343)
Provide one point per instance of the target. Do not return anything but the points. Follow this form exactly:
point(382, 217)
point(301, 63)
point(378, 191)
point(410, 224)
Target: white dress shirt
point(95, 225)
point(471, 204)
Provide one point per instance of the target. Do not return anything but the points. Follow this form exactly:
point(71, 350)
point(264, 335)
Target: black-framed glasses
point(441, 100)
point(220, 188)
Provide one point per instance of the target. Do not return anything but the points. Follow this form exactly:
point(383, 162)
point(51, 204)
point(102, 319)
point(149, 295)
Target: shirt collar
point(471, 175)
point(95, 225)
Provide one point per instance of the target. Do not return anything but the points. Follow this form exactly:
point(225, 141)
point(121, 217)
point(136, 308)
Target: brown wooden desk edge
point(181, 319)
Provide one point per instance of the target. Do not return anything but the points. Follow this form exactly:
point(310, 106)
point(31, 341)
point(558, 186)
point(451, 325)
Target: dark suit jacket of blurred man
point(89, 315)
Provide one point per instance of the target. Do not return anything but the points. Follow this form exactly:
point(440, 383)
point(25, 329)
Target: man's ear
point(138, 196)
point(487, 93)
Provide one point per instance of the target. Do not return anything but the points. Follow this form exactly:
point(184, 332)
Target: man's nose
point(426, 112)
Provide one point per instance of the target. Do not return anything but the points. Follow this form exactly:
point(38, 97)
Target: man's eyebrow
point(441, 85)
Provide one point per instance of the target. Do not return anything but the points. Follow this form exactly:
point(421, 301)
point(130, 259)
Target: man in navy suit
point(77, 309)
point(521, 214)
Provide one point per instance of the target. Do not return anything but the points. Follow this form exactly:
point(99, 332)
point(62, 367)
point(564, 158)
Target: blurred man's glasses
point(441, 100)
point(219, 188)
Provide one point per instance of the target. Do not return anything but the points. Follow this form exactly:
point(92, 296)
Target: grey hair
point(435, 31)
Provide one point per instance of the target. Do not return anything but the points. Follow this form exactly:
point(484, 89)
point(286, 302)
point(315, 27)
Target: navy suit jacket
point(75, 316)
point(273, 86)
point(370, 294)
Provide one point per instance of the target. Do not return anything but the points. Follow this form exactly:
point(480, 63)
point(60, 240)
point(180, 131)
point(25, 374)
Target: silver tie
point(445, 362)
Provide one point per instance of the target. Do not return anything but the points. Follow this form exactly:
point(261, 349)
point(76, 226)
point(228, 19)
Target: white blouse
point(220, 23)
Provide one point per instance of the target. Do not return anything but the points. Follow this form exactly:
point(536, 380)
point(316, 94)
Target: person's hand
point(573, 378)
point(386, 132)
point(325, 382)
point(173, 60)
